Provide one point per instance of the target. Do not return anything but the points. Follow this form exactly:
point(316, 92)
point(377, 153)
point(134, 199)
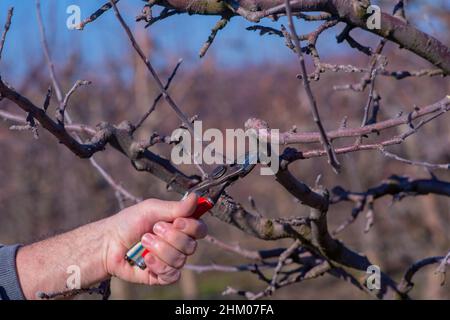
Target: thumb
point(170, 210)
point(185, 207)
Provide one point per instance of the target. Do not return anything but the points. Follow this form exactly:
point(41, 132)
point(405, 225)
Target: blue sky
point(181, 35)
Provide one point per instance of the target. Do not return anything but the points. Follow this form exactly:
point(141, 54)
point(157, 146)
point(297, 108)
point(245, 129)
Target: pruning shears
point(208, 192)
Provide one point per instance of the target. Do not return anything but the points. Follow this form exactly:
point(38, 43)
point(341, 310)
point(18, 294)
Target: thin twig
point(163, 15)
point(63, 105)
point(224, 268)
point(444, 166)
point(438, 108)
point(312, 102)
point(6, 29)
point(407, 284)
point(222, 23)
point(59, 96)
point(150, 68)
point(48, 58)
point(281, 262)
point(158, 98)
point(254, 255)
point(158, 81)
point(107, 6)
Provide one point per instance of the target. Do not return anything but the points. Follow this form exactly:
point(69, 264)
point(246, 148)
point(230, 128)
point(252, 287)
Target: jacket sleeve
point(9, 281)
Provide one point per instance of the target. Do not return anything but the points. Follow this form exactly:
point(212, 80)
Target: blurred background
point(45, 189)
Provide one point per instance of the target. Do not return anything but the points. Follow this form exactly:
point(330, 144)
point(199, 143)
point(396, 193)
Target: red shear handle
point(203, 205)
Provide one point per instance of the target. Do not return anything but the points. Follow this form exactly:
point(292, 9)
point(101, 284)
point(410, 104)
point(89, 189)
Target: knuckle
point(148, 203)
point(162, 229)
point(167, 270)
point(179, 261)
point(158, 248)
point(169, 278)
point(146, 206)
point(162, 269)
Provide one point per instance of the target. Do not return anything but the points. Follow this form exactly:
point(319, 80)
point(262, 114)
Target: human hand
point(164, 228)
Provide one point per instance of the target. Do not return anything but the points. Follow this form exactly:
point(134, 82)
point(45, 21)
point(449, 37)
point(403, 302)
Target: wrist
point(106, 241)
point(114, 246)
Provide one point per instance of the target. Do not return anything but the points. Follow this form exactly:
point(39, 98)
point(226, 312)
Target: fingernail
point(147, 240)
point(159, 229)
point(187, 195)
point(180, 224)
point(191, 245)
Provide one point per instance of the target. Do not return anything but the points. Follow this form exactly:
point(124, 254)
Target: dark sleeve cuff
point(9, 281)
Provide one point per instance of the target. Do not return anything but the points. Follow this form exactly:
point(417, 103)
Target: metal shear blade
point(223, 176)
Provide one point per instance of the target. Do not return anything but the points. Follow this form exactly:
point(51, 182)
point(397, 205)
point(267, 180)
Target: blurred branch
point(150, 68)
point(158, 81)
point(397, 186)
point(257, 255)
point(445, 166)
point(100, 140)
point(51, 66)
point(81, 150)
point(223, 268)
point(6, 29)
point(80, 128)
point(158, 98)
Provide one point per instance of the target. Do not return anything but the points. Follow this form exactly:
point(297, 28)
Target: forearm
point(96, 251)
point(44, 266)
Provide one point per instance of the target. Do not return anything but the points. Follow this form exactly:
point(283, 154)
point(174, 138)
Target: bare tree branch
point(396, 186)
point(158, 98)
point(6, 29)
point(290, 137)
point(313, 251)
point(406, 284)
point(312, 101)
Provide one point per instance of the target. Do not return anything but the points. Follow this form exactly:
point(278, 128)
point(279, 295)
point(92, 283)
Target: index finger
point(194, 228)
